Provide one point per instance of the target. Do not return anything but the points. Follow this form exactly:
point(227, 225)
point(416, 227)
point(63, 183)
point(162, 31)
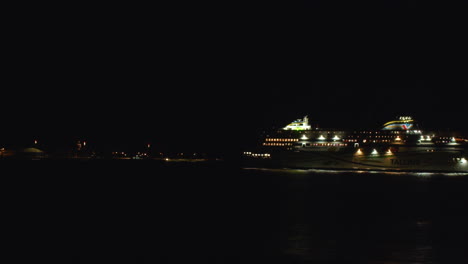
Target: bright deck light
point(374, 152)
point(304, 137)
point(321, 137)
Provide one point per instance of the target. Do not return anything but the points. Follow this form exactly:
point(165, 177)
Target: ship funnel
point(403, 123)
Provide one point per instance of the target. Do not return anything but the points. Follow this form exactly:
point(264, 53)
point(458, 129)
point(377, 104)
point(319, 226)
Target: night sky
point(207, 76)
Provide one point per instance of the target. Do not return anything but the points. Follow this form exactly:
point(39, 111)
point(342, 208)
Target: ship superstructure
point(399, 144)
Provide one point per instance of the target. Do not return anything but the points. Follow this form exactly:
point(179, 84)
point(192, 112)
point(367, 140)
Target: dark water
point(145, 212)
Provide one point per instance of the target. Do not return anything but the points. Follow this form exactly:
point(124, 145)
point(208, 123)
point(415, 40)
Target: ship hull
point(420, 161)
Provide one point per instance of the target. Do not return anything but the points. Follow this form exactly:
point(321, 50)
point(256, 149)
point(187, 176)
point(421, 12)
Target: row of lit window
point(363, 132)
point(369, 132)
point(373, 136)
point(365, 140)
point(277, 144)
point(348, 138)
point(327, 145)
point(304, 137)
point(257, 154)
point(281, 139)
point(378, 132)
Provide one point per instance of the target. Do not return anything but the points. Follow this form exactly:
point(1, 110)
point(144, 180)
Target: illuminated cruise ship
point(398, 145)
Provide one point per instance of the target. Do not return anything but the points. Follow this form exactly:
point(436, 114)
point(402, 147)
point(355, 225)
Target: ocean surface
point(148, 212)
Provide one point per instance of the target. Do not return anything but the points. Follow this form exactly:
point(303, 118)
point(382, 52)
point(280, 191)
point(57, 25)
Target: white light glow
point(336, 138)
point(374, 152)
point(321, 137)
point(304, 137)
point(463, 160)
point(359, 152)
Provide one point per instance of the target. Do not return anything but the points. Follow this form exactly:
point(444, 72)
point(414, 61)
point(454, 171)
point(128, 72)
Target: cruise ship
point(398, 145)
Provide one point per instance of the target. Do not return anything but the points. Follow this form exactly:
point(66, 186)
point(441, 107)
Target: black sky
point(199, 74)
